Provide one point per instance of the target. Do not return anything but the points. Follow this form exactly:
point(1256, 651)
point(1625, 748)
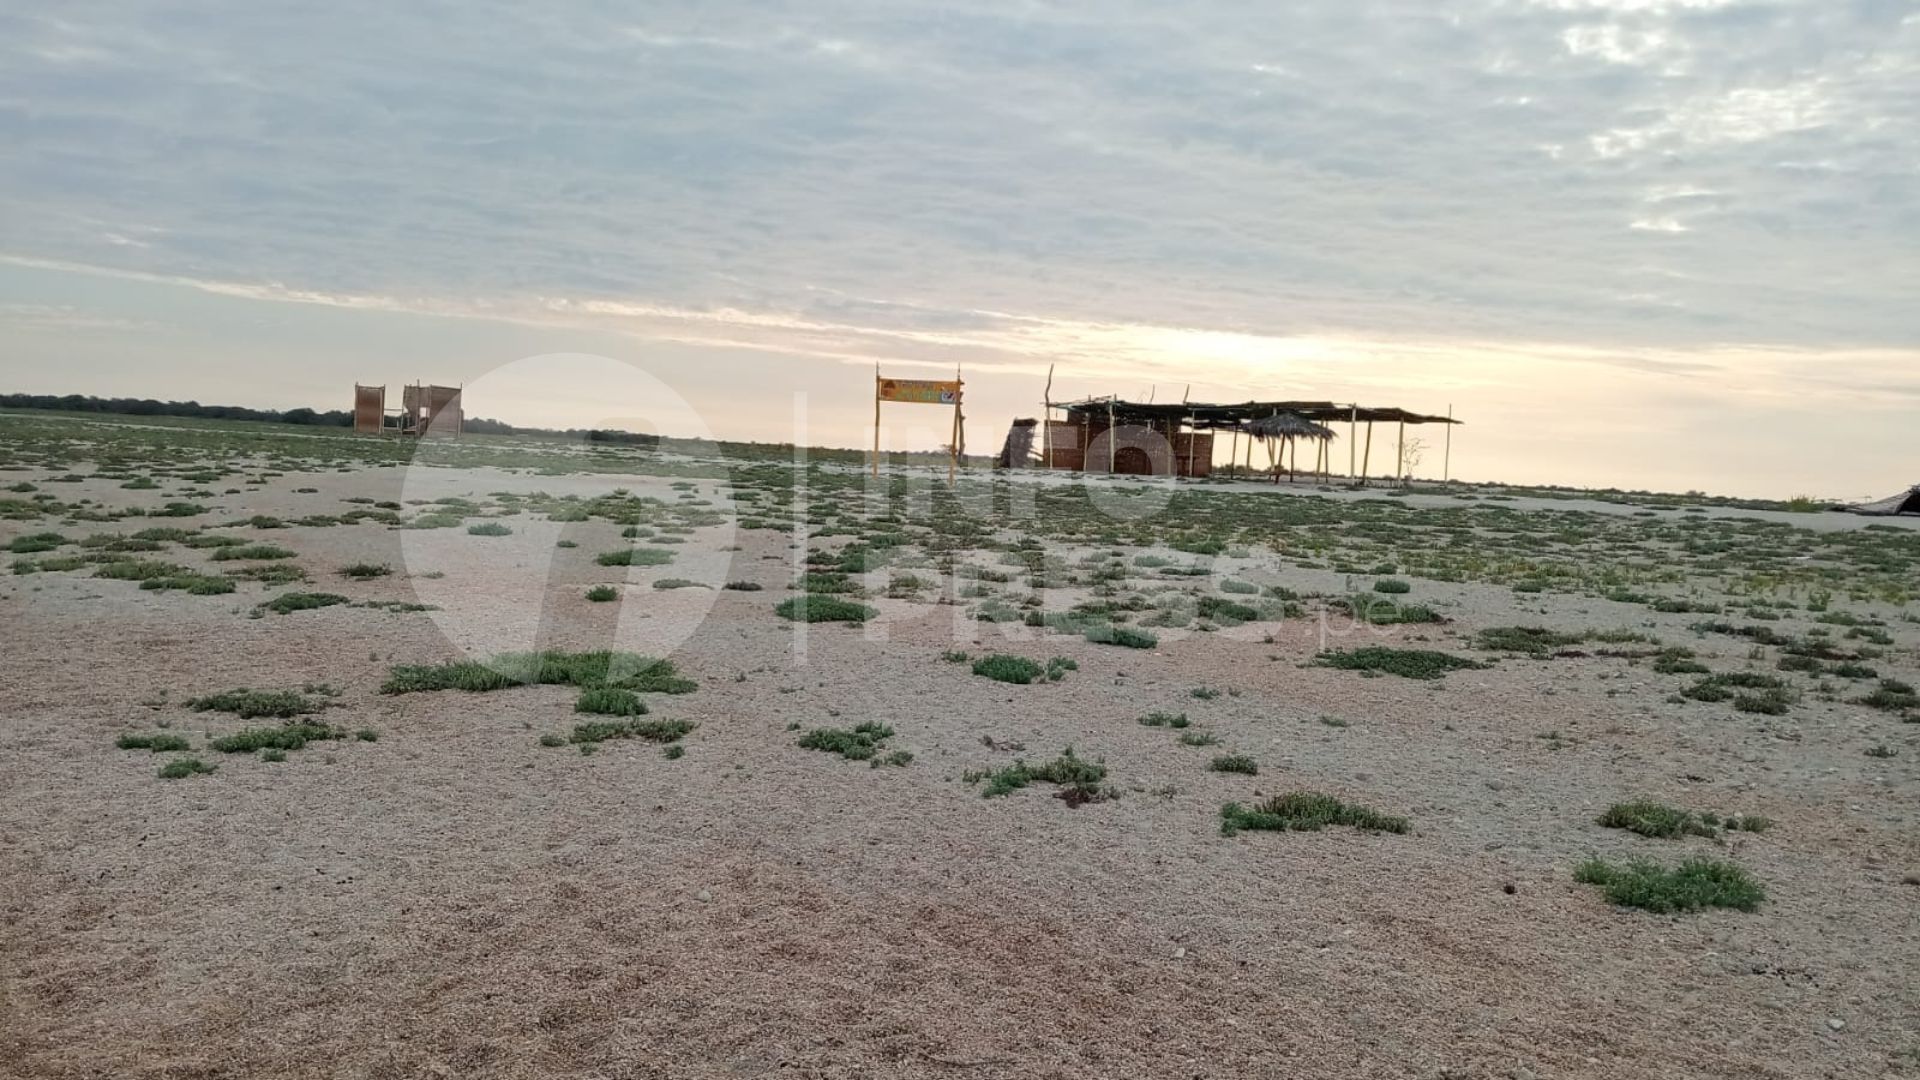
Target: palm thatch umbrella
point(1284, 428)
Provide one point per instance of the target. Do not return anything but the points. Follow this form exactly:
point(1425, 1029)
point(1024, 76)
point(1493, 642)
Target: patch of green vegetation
point(1306, 811)
point(1679, 661)
point(1649, 818)
point(1393, 586)
point(609, 701)
point(1235, 763)
point(251, 704)
point(1694, 885)
point(600, 594)
point(1002, 667)
point(862, 742)
point(660, 731)
point(230, 552)
point(1748, 690)
point(1078, 779)
point(1531, 640)
point(680, 583)
point(1891, 695)
point(192, 584)
point(812, 607)
point(1407, 663)
point(36, 542)
point(158, 742)
point(365, 571)
point(1198, 738)
point(293, 735)
point(489, 528)
point(1126, 636)
point(638, 556)
point(140, 570)
point(287, 603)
point(742, 586)
point(1158, 718)
point(624, 670)
point(181, 768)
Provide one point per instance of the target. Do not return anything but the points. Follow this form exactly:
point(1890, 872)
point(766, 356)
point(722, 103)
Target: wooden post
point(1353, 443)
point(876, 421)
point(1233, 451)
point(1046, 422)
point(1111, 448)
point(953, 458)
point(1446, 466)
point(1366, 456)
point(1400, 454)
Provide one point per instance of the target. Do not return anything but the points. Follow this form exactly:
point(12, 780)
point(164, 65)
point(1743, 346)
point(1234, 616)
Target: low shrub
point(159, 743)
point(1306, 811)
point(1407, 663)
point(811, 607)
point(1126, 636)
point(638, 556)
point(1649, 818)
point(1001, 667)
point(181, 768)
point(1692, 886)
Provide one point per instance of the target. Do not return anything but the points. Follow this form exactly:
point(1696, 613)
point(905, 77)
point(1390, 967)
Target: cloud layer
point(1621, 176)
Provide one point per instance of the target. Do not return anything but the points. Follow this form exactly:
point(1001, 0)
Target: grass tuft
point(159, 743)
point(1127, 636)
point(289, 736)
point(1692, 886)
point(599, 731)
point(1078, 779)
point(1306, 811)
point(1235, 763)
point(287, 603)
point(1407, 663)
point(1649, 818)
point(809, 607)
point(251, 704)
point(627, 671)
point(609, 701)
point(1001, 667)
point(639, 556)
point(863, 742)
point(181, 768)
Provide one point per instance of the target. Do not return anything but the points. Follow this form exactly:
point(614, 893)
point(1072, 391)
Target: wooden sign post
point(919, 392)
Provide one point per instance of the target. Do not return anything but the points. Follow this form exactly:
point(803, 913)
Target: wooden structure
point(369, 409)
point(425, 410)
point(1109, 435)
point(921, 392)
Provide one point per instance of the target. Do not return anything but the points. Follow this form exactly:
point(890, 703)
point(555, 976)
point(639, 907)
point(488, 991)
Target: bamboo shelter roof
point(1201, 415)
point(1288, 425)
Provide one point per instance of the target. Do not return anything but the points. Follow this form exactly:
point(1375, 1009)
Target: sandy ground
point(454, 900)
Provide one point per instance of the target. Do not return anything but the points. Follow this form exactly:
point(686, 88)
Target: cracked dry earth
point(455, 900)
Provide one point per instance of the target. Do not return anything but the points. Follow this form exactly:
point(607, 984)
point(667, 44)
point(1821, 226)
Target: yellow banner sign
point(920, 391)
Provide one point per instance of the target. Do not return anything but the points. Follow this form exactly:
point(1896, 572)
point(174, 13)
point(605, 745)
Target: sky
point(1646, 243)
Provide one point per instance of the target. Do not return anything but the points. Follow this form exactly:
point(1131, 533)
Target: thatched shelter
point(1282, 428)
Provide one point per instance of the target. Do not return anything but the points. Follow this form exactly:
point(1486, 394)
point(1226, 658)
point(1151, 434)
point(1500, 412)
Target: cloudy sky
point(1635, 242)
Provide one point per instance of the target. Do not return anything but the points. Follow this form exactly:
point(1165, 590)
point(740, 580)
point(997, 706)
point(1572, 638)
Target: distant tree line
point(340, 418)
